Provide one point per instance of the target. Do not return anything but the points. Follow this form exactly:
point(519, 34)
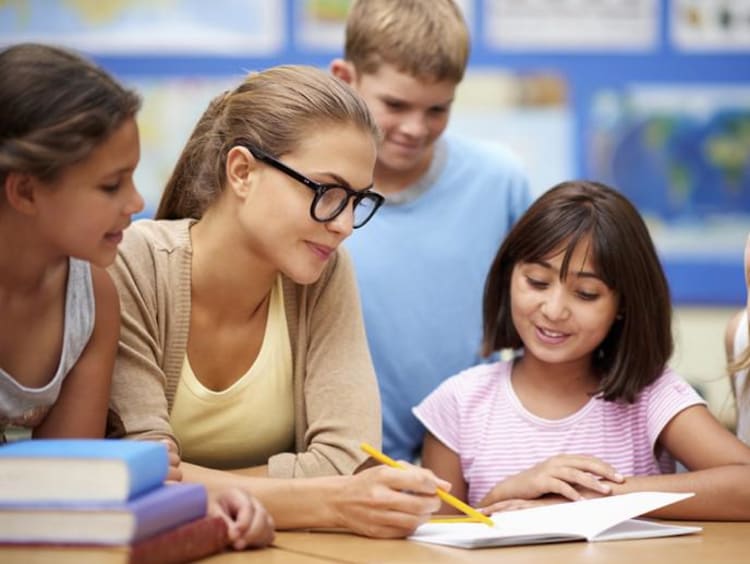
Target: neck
point(553, 391)
point(389, 180)
point(27, 260)
point(566, 378)
point(228, 279)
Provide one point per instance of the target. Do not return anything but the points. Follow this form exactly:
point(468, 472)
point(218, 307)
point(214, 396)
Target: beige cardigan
point(336, 400)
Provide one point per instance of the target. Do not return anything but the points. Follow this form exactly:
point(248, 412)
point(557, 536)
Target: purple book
point(103, 523)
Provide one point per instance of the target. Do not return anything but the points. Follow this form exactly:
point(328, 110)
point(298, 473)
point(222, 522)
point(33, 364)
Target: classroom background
point(651, 96)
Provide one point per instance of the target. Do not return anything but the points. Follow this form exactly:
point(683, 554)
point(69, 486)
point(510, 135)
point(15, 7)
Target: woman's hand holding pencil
point(385, 502)
point(442, 488)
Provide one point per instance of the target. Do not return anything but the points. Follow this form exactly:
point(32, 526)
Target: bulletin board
point(651, 96)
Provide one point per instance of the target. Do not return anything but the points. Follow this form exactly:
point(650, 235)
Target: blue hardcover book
point(158, 510)
point(102, 470)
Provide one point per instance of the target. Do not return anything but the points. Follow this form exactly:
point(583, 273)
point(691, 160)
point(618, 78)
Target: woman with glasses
point(242, 344)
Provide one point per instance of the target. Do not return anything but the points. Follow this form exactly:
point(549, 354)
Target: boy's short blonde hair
point(424, 38)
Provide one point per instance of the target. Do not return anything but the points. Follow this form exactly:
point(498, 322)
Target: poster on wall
point(319, 24)
point(708, 25)
point(527, 113)
point(161, 27)
point(681, 153)
point(572, 25)
point(171, 108)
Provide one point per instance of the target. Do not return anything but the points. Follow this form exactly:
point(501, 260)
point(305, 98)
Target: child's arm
point(81, 408)
point(562, 474)
point(718, 464)
point(444, 463)
point(248, 522)
point(569, 476)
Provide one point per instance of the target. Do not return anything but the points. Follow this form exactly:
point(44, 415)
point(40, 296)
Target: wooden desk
point(718, 543)
point(272, 555)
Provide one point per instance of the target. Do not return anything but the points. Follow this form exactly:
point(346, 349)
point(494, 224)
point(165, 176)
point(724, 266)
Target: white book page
point(643, 529)
point(554, 523)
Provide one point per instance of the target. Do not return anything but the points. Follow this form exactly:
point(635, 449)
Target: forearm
point(722, 493)
point(293, 503)
point(254, 471)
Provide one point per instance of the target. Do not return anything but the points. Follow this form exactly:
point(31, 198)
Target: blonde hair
point(424, 38)
point(734, 367)
point(273, 110)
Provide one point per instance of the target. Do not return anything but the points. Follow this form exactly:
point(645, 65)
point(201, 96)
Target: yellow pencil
point(466, 519)
point(442, 494)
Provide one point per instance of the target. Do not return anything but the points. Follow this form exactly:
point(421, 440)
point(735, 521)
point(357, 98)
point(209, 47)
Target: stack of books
point(102, 501)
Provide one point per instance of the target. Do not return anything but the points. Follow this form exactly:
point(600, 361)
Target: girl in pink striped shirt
point(588, 408)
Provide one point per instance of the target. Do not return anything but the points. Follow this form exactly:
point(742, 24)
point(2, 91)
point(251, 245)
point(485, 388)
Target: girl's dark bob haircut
point(639, 344)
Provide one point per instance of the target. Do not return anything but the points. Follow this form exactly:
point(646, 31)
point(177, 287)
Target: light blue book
point(80, 470)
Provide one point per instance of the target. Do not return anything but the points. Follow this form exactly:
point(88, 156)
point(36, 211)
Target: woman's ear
point(19, 189)
point(239, 169)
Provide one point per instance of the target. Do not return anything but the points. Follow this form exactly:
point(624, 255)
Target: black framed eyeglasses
point(329, 199)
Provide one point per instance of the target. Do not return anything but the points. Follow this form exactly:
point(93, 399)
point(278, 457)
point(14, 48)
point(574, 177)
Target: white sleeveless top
point(27, 407)
point(741, 382)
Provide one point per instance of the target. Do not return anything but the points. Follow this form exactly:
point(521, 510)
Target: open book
point(601, 519)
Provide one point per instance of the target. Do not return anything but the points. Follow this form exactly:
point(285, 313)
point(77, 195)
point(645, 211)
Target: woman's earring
point(618, 317)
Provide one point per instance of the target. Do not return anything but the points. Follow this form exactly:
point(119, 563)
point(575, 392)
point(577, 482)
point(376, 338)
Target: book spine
point(191, 541)
point(167, 507)
point(147, 470)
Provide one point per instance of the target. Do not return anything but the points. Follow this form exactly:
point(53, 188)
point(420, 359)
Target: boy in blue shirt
point(422, 261)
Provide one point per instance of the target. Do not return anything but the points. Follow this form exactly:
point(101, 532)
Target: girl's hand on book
point(566, 475)
point(248, 523)
point(386, 502)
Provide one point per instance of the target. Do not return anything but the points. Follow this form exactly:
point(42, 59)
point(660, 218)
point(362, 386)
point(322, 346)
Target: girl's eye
point(534, 283)
point(111, 188)
point(588, 296)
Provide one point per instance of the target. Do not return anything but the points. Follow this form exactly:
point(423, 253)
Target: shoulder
point(155, 235)
point(478, 382)
point(153, 249)
point(107, 309)
point(669, 387)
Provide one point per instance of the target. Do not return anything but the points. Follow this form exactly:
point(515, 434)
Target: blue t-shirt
point(421, 263)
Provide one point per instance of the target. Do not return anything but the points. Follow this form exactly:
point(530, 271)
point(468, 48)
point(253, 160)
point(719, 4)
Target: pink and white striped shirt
point(477, 415)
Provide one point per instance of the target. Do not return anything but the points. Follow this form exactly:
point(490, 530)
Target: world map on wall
point(146, 26)
point(687, 164)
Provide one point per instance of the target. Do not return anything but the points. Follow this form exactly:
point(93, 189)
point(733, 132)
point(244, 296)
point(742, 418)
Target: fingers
point(258, 528)
point(570, 476)
point(567, 474)
point(385, 502)
point(591, 464)
point(248, 522)
point(413, 478)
